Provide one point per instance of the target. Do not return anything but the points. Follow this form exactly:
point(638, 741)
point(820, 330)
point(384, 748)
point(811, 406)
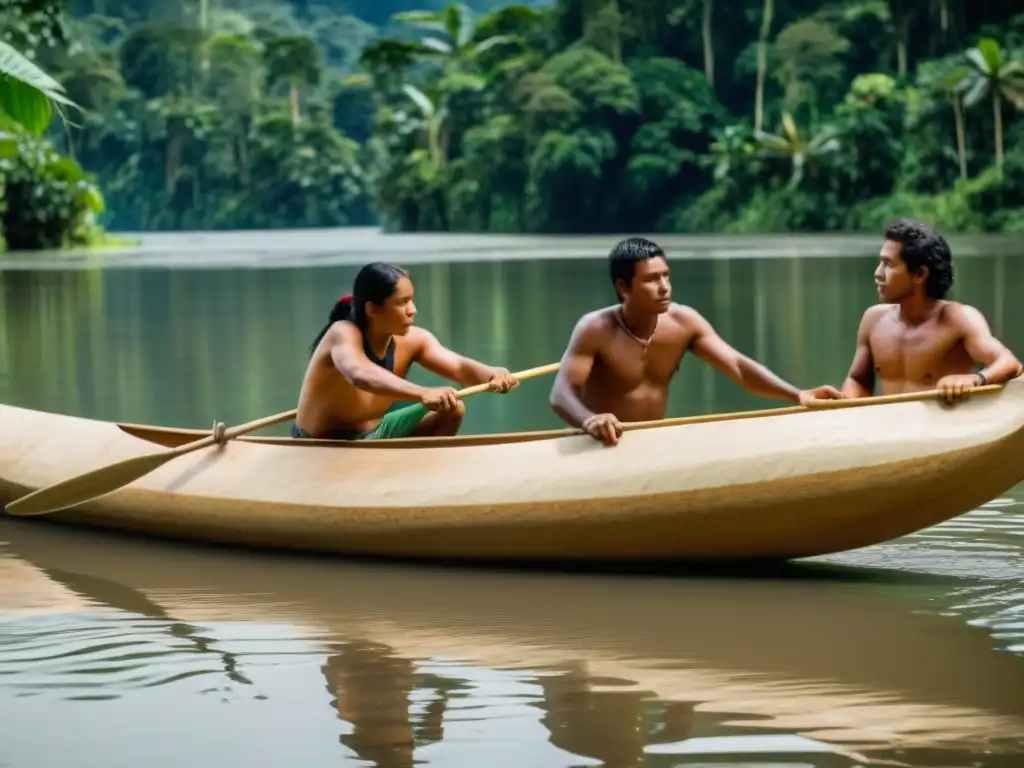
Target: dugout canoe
point(772, 484)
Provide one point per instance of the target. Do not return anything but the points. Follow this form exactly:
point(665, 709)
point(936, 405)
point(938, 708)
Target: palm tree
point(792, 145)
point(458, 24)
point(991, 74)
point(294, 59)
point(954, 85)
point(434, 115)
point(762, 63)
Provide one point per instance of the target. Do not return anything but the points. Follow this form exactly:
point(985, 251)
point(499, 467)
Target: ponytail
point(342, 310)
point(374, 283)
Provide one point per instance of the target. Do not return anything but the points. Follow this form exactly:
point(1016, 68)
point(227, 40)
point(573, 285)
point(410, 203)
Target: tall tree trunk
point(243, 153)
point(709, 43)
point(762, 63)
point(172, 164)
point(997, 113)
point(961, 149)
point(293, 93)
point(204, 47)
point(617, 32)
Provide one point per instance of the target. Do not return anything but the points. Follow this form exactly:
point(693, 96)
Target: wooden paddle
point(819, 405)
point(99, 482)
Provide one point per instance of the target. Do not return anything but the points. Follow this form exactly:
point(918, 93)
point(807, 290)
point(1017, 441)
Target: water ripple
point(101, 655)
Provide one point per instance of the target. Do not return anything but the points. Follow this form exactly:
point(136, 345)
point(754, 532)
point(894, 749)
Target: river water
point(123, 651)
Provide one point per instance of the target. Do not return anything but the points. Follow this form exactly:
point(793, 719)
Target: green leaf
point(978, 90)
point(28, 106)
point(957, 80)
point(977, 58)
point(993, 56)
point(8, 146)
point(27, 92)
point(425, 104)
point(427, 19)
point(486, 45)
point(436, 44)
point(19, 67)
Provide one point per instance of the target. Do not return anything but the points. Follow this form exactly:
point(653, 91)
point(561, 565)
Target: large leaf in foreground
point(27, 93)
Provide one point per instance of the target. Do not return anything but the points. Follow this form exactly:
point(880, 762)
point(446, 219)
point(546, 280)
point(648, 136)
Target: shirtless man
point(621, 359)
point(360, 360)
point(915, 339)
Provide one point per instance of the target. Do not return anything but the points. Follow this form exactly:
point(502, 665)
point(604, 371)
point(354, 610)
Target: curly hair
point(922, 246)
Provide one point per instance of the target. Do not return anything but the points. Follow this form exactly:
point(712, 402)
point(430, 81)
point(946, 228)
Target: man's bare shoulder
point(961, 315)
point(596, 324)
point(873, 314)
point(687, 318)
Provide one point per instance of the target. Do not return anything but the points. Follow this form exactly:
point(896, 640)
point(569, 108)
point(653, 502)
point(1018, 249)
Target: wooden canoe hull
point(781, 484)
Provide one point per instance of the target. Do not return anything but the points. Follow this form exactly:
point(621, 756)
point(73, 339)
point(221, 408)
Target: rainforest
point(571, 116)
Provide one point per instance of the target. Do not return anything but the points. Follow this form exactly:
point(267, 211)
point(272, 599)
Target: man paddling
point(621, 359)
point(915, 339)
point(360, 360)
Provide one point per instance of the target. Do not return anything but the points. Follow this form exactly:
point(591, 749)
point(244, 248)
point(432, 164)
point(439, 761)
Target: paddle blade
point(91, 485)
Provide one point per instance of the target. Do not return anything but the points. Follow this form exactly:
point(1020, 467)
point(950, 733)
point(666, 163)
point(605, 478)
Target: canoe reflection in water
point(418, 663)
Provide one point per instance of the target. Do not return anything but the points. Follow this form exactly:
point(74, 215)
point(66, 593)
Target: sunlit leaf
point(27, 92)
point(26, 104)
point(422, 101)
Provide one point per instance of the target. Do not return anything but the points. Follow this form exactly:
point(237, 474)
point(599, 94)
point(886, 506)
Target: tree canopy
point(561, 116)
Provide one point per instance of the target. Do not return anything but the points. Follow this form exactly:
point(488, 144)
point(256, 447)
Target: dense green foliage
point(561, 116)
point(691, 115)
point(46, 199)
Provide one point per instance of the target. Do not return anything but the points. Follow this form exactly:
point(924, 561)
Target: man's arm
point(437, 358)
point(577, 363)
point(860, 381)
point(750, 375)
point(1000, 363)
point(350, 360)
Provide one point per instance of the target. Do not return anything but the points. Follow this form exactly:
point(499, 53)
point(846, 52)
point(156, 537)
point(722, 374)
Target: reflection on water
point(817, 665)
point(906, 653)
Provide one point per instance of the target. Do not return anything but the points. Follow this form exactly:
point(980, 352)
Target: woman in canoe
point(361, 357)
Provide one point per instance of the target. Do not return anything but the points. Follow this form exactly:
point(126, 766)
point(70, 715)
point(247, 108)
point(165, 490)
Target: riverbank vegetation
point(562, 116)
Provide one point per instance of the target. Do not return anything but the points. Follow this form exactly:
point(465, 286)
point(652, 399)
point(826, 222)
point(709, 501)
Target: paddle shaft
point(820, 405)
point(277, 418)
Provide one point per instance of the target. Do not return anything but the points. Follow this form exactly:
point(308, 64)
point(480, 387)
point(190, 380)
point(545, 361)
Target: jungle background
point(564, 116)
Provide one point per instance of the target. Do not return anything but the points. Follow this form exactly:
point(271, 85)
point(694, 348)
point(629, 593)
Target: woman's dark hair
point(375, 282)
point(922, 246)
